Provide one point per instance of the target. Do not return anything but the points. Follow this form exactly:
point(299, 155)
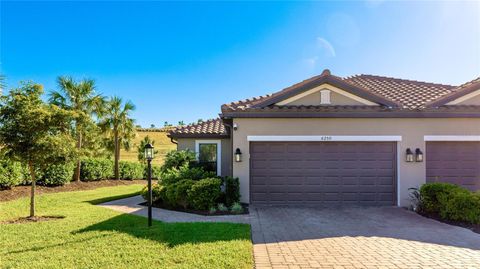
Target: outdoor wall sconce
point(418, 155)
point(238, 155)
point(409, 156)
point(235, 127)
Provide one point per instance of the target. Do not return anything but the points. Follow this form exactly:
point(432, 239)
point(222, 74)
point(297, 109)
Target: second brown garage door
point(323, 173)
point(454, 162)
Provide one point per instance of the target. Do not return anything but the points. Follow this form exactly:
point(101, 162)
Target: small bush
point(236, 208)
point(93, 169)
point(11, 174)
point(212, 210)
point(204, 193)
point(462, 206)
point(176, 193)
point(435, 195)
point(174, 175)
point(177, 159)
point(156, 171)
point(57, 175)
point(222, 207)
point(232, 190)
point(158, 192)
point(130, 170)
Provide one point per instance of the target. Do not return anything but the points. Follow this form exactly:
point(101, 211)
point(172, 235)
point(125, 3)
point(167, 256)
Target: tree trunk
point(116, 155)
point(32, 194)
point(79, 146)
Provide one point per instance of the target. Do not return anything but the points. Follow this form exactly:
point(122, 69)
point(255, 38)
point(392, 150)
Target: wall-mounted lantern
point(238, 155)
point(418, 155)
point(409, 156)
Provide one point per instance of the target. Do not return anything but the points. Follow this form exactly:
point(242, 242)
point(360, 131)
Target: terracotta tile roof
point(213, 127)
point(408, 94)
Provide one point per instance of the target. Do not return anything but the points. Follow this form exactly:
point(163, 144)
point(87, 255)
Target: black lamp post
point(149, 154)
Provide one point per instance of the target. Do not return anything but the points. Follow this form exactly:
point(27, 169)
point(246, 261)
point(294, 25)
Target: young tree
point(141, 148)
point(33, 132)
point(118, 126)
point(81, 98)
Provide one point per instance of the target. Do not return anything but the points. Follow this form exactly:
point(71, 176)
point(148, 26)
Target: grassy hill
point(162, 144)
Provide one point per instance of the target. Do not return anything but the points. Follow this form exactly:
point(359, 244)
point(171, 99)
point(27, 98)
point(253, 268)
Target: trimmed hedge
point(11, 174)
point(57, 175)
point(451, 202)
point(205, 193)
point(158, 192)
point(131, 170)
point(93, 169)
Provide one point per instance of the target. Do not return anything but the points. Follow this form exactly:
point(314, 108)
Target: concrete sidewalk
point(132, 205)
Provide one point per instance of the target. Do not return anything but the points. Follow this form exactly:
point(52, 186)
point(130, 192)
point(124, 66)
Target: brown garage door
point(454, 162)
point(323, 173)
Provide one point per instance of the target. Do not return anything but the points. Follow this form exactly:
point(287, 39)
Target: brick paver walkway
point(359, 238)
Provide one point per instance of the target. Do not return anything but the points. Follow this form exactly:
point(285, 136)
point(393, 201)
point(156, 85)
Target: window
point(325, 97)
point(208, 154)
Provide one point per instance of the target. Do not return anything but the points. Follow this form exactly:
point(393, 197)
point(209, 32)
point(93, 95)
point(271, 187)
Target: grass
point(94, 237)
point(162, 144)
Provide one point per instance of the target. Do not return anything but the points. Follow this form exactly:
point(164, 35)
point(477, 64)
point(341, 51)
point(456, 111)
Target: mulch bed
point(24, 191)
point(198, 212)
point(31, 219)
point(473, 227)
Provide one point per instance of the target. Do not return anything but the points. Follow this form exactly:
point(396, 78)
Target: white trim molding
point(327, 87)
point(451, 138)
point(219, 151)
point(323, 138)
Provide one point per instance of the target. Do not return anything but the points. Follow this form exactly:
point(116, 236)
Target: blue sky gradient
point(182, 60)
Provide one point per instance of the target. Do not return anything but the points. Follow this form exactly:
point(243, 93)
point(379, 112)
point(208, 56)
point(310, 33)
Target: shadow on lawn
point(172, 234)
point(111, 198)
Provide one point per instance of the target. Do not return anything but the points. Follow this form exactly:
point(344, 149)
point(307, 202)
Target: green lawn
point(95, 237)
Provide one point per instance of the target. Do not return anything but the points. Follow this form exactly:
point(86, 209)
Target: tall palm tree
point(82, 98)
point(119, 126)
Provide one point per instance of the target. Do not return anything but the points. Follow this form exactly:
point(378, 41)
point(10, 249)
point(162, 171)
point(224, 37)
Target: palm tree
point(2, 83)
point(82, 98)
point(118, 126)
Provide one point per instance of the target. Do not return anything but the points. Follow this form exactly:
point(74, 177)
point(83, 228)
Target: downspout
point(173, 141)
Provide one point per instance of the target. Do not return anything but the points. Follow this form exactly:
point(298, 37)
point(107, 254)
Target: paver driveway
point(386, 237)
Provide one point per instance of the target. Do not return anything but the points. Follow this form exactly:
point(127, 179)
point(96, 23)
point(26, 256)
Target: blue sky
point(182, 60)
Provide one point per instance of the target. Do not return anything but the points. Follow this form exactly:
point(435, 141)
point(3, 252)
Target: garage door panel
point(323, 173)
point(454, 162)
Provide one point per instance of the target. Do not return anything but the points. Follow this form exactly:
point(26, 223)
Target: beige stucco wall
point(472, 101)
point(314, 100)
point(226, 158)
point(411, 130)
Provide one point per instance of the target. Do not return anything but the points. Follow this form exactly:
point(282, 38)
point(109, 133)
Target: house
point(329, 140)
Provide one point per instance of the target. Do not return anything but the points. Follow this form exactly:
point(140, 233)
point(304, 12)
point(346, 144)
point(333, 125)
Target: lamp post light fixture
point(418, 155)
point(149, 155)
point(409, 156)
point(238, 155)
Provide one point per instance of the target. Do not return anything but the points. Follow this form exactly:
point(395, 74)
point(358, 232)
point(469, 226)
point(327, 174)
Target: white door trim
point(451, 138)
point(219, 151)
point(324, 138)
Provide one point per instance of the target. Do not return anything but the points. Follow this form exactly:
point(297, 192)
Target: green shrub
point(435, 195)
point(96, 169)
point(11, 174)
point(130, 170)
point(232, 190)
point(462, 206)
point(222, 207)
point(236, 208)
point(176, 193)
point(57, 175)
point(177, 159)
point(158, 192)
point(174, 175)
point(204, 193)
point(156, 171)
